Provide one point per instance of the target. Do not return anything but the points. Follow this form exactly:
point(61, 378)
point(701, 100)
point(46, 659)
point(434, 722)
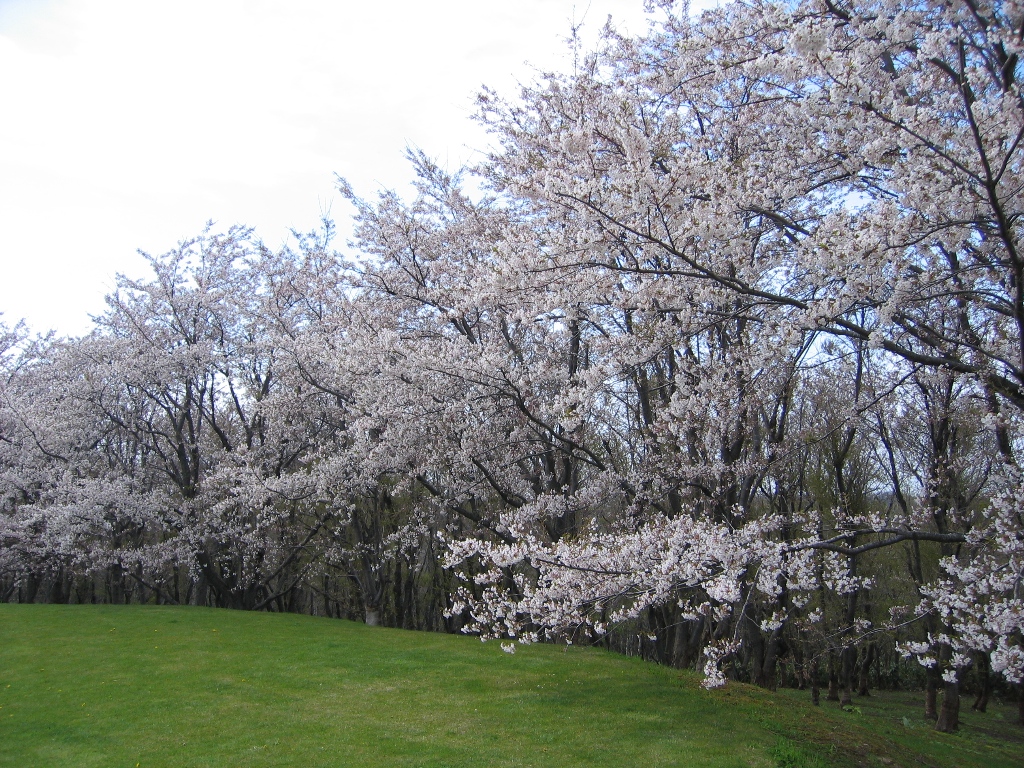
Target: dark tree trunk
point(931, 694)
point(753, 649)
point(679, 655)
point(57, 594)
point(949, 714)
point(799, 666)
point(813, 673)
point(984, 682)
point(769, 667)
point(31, 588)
point(202, 595)
point(833, 678)
point(397, 595)
point(176, 571)
point(695, 637)
point(865, 667)
point(327, 597)
point(849, 659)
point(411, 619)
point(115, 585)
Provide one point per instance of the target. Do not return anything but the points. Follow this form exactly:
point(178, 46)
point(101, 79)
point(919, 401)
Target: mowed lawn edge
point(176, 686)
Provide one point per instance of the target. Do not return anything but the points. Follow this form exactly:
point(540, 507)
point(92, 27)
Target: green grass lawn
point(116, 686)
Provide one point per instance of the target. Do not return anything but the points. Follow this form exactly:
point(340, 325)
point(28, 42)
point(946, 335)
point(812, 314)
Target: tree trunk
point(679, 636)
point(813, 673)
point(949, 714)
point(753, 649)
point(931, 695)
point(202, 595)
point(57, 594)
point(849, 662)
point(177, 585)
point(695, 636)
point(833, 679)
point(865, 667)
point(769, 666)
point(849, 654)
point(397, 594)
point(411, 618)
point(799, 666)
point(984, 683)
point(31, 588)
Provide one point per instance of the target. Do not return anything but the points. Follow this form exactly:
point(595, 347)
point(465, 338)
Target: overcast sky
point(126, 125)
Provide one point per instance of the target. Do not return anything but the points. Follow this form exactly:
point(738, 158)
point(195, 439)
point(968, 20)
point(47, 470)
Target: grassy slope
point(124, 686)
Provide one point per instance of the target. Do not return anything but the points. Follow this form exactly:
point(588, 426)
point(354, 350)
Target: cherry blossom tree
point(811, 171)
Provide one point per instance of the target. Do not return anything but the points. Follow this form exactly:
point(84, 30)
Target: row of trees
point(728, 355)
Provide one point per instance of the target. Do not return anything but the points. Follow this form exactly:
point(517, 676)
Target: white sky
point(127, 124)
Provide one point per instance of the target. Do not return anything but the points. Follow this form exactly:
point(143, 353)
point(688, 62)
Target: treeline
point(196, 448)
